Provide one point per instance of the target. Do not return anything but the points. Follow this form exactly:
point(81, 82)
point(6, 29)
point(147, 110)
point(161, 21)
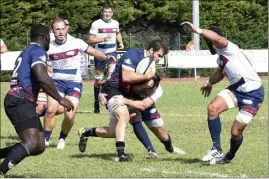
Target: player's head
point(106, 13)
point(218, 31)
point(66, 21)
point(59, 29)
point(40, 35)
point(157, 48)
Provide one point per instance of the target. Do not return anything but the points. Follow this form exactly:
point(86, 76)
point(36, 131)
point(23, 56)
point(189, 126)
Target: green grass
point(183, 109)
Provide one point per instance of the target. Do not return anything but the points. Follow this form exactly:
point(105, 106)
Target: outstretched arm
point(217, 40)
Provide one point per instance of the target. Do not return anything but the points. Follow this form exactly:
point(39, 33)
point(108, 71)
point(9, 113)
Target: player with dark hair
point(29, 75)
point(119, 86)
point(104, 34)
point(245, 92)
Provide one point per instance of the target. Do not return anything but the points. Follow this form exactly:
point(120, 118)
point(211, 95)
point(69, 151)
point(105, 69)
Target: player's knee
point(212, 110)
point(156, 123)
point(51, 112)
point(60, 110)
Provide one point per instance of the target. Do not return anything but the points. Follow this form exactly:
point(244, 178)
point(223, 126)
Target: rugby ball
point(146, 65)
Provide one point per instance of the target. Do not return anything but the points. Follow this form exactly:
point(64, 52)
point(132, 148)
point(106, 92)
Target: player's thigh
point(135, 115)
point(223, 101)
point(52, 104)
point(112, 123)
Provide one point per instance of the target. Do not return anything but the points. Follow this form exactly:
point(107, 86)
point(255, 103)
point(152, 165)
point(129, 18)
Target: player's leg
point(28, 127)
point(222, 102)
point(41, 103)
point(73, 93)
point(104, 132)
point(98, 82)
point(141, 133)
point(246, 113)
point(53, 105)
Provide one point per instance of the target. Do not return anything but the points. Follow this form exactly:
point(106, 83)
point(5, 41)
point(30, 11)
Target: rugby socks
point(90, 132)
point(96, 99)
point(215, 130)
point(18, 152)
point(4, 151)
point(62, 135)
point(234, 146)
point(168, 144)
point(120, 148)
point(142, 135)
point(47, 135)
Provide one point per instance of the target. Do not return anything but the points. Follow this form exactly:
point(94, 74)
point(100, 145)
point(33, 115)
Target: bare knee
point(212, 111)
point(35, 146)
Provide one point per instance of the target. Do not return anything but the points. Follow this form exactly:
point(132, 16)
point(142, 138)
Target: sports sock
point(168, 144)
point(90, 132)
point(96, 91)
point(234, 146)
point(18, 152)
point(5, 151)
point(142, 135)
point(62, 135)
point(215, 130)
point(120, 148)
point(47, 134)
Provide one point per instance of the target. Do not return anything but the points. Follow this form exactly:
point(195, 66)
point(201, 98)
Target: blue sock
point(142, 135)
point(47, 134)
point(234, 146)
point(62, 135)
point(215, 130)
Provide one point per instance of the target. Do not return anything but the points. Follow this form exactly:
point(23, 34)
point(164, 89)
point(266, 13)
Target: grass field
point(183, 109)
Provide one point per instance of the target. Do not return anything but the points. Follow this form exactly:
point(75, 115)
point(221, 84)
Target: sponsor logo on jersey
point(128, 61)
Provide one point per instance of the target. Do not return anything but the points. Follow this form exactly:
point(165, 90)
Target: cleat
point(123, 158)
point(47, 142)
point(178, 151)
point(211, 154)
point(219, 160)
point(152, 155)
point(82, 140)
point(61, 144)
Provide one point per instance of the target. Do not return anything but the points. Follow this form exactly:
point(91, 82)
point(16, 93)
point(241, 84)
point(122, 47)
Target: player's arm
point(218, 41)
point(46, 83)
point(92, 39)
point(98, 54)
point(141, 105)
point(216, 77)
point(119, 39)
point(129, 76)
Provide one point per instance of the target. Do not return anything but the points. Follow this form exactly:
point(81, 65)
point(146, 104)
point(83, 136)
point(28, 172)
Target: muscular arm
point(216, 77)
point(46, 83)
point(119, 38)
point(129, 76)
point(218, 41)
point(92, 39)
point(96, 53)
point(141, 105)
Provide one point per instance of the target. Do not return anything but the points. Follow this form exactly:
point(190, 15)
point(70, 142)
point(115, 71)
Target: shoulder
point(96, 22)
point(114, 21)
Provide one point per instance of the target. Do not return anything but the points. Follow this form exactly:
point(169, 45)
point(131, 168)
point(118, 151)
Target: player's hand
point(151, 73)
point(102, 98)
point(107, 38)
point(67, 104)
point(150, 83)
point(112, 59)
point(206, 89)
point(121, 46)
point(190, 27)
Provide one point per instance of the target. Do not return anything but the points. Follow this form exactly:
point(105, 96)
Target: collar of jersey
point(35, 43)
point(108, 21)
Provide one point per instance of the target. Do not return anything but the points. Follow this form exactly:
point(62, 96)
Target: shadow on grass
point(105, 156)
point(20, 176)
point(10, 137)
point(185, 160)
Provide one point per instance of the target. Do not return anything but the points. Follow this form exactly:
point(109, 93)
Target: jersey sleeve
point(38, 56)
point(82, 46)
point(157, 94)
point(129, 61)
point(94, 28)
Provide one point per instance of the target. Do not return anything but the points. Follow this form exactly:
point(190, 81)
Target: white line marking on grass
point(199, 173)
